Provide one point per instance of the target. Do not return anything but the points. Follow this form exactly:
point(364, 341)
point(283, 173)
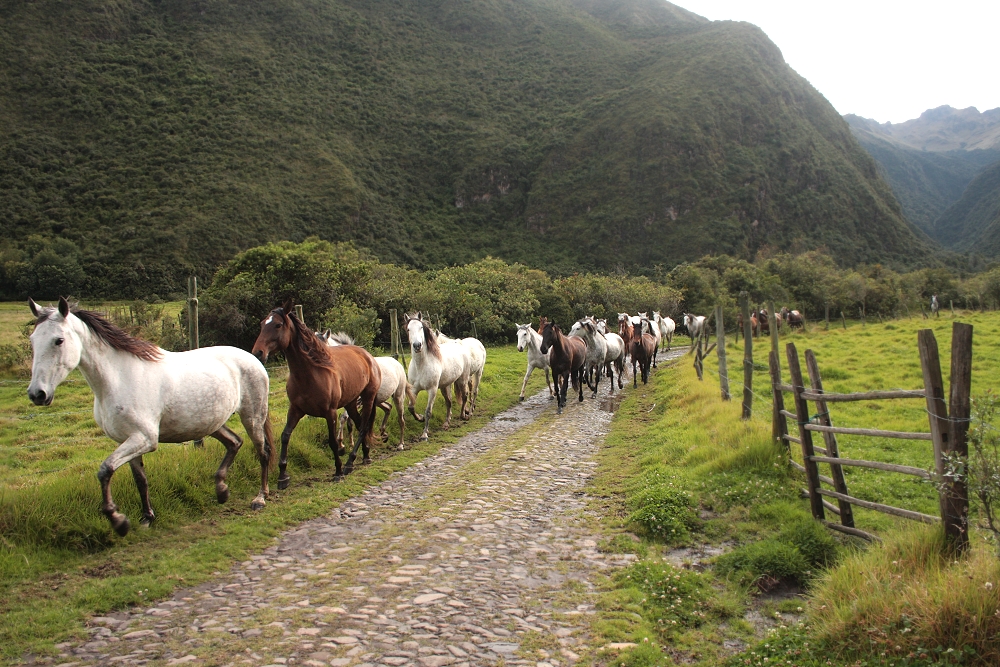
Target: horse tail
point(269, 448)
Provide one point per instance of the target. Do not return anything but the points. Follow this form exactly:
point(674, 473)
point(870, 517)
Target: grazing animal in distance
point(434, 366)
point(694, 324)
point(795, 319)
point(144, 395)
point(643, 348)
point(567, 358)
point(530, 340)
point(626, 331)
point(666, 327)
point(321, 380)
point(597, 351)
point(393, 385)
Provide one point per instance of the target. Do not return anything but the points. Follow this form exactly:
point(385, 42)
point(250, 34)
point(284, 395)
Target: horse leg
point(294, 416)
point(446, 393)
point(580, 383)
point(386, 409)
point(561, 381)
point(431, 395)
point(139, 475)
point(397, 399)
point(263, 440)
point(611, 375)
point(635, 382)
point(656, 348)
point(365, 421)
point(525, 383)
point(136, 445)
point(549, 384)
point(232, 443)
point(333, 429)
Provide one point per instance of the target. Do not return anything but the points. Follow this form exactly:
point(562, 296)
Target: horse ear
point(63, 307)
point(288, 306)
point(35, 309)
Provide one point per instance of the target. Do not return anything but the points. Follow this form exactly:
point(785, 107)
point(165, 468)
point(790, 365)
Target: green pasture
point(59, 560)
point(680, 468)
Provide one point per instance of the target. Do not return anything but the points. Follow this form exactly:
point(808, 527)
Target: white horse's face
point(523, 336)
point(602, 326)
point(656, 316)
point(622, 317)
point(576, 329)
point(415, 334)
point(56, 351)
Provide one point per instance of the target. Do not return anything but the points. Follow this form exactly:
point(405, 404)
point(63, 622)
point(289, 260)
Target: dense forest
point(145, 141)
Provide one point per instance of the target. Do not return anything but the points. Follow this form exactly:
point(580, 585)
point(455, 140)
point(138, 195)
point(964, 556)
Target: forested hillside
point(146, 140)
point(973, 222)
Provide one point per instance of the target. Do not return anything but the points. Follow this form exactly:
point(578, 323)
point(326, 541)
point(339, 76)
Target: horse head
point(602, 326)
point(523, 336)
point(56, 350)
point(550, 332)
point(542, 321)
point(276, 332)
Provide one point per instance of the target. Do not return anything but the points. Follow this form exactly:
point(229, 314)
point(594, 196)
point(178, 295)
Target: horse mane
point(341, 337)
point(430, 340)
point(114, 336)
point(309, 343)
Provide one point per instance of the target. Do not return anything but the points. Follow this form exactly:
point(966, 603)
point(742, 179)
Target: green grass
point(59, 561)
point(676, 438)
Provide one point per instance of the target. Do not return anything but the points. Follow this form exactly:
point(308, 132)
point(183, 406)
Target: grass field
point(681, 469)
point(59, 560)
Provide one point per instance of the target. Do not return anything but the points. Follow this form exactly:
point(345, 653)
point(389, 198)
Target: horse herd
point(144, 395)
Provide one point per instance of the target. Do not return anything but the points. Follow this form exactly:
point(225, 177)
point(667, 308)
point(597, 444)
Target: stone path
point(483, 554)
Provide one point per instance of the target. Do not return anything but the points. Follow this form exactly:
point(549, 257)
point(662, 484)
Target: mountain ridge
point(149, 141)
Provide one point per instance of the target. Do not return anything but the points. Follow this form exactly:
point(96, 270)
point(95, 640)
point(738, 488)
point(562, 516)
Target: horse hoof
point(338, 478)
point(222, 493)
point(424, 438)
point(348, 469)
point(283, 482)
point(400, 447)
point(120, 523)
point(520, 398)
point(342, 451)
point(366, 461)
point(445, 426)
point(257, 504)
point(146, 521)
point(385, 437)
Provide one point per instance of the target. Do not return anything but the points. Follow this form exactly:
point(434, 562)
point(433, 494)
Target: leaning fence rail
point(948, 422)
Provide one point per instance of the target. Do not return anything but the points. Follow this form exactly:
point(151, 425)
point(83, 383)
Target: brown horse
point(642, 349)
point(626, 331)
point(567, 357)
point(765, 325)
point(321, 380)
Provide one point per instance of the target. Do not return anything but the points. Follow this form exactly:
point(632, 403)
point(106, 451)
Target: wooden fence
point(948, 420)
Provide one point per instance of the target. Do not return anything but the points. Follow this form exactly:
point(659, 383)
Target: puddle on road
point(611, 403)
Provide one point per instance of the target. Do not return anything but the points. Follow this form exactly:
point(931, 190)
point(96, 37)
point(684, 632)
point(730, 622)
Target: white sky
point(884, 59)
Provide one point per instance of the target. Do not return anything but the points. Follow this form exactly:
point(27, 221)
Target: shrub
point(764, 563)
point(812, 540)
point(664, 512)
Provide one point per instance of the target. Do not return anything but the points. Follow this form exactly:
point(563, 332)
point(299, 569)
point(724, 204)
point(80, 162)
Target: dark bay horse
point(643, 348)
point(321, 380)
point(567, 357)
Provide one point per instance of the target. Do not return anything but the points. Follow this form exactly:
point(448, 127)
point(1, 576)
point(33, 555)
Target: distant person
point(934, 306)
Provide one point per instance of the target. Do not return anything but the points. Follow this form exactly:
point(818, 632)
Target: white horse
point(434, 366)
point(530, 340)
point(477, 362)
point(666, 326)
point(695, 324)
point(393, 385)
point(597, 350)
point(653, 330)
point(144, 395)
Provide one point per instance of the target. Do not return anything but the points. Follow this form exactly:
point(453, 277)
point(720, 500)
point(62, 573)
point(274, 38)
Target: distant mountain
point(925, 182)
point(973, 222)
point(144, 141)
point(940, 130)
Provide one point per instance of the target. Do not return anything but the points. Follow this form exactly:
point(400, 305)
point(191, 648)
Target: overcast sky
point(882, 59)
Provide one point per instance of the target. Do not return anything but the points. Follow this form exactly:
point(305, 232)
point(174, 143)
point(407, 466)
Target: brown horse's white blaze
point(321, 380)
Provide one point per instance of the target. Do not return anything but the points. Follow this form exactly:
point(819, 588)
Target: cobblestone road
point(483, 554)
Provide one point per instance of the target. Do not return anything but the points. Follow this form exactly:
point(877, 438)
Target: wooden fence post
point(298, 313)
point(802, 412)
point(720, 337)
point(843, 319)
point(951, 302)
point(956, 520)
point(830, 439)
point(747, 358)
point(779, 423)
point(772, 320)
point(937, 412)
point(826, 317)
